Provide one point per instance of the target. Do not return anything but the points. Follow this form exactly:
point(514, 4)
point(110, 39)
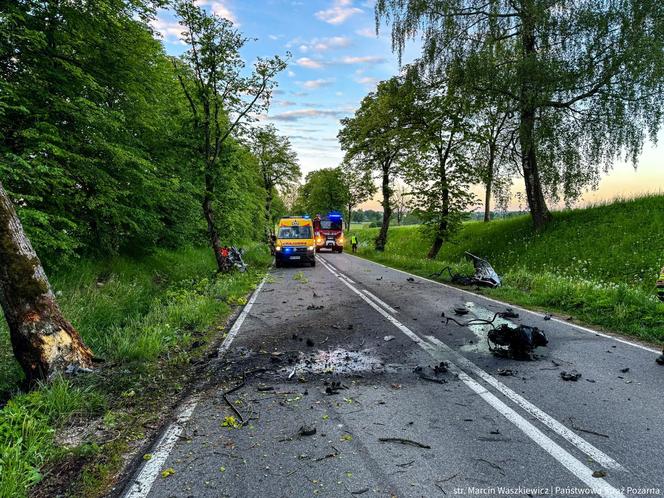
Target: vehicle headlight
point(278, 248)
point(310, 248)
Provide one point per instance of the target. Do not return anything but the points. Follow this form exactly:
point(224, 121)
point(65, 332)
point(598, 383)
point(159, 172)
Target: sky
point(336, 59)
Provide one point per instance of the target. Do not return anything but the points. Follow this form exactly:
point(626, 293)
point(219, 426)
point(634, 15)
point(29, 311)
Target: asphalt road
point(337, 348)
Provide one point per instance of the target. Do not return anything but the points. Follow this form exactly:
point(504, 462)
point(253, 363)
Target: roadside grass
point(597, 264)
point(147, 319)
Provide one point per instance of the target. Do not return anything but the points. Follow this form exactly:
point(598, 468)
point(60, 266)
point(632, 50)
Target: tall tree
point(401, 200)
point(44, 342)
point(323, 190)
point(375, 139)
point(585, 77)
point(220, 96)
point(361, 188)
point(278, 165)
point(438, 168)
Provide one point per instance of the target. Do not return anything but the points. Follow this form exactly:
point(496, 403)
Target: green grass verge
point(597, 264)
point(147, 319)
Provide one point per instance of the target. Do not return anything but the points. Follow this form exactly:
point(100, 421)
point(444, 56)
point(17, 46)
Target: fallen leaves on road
point(168, 472)
point(231, 422)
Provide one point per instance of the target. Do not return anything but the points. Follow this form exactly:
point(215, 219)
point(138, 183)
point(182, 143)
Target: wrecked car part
point(484, 276)
point(520, 340)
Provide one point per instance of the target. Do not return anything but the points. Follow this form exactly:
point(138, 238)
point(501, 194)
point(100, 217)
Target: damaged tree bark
point(44, 342)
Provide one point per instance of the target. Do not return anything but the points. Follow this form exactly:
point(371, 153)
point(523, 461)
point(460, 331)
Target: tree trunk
point(350, 213)
point(268, 215)
point(489, 183)
point(534, 193)
point(208, 213)
point(442, 226)
point(44, 342)
point(381, 240)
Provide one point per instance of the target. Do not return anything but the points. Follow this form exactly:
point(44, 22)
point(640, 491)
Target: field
point(597, 264)
point(148, 319)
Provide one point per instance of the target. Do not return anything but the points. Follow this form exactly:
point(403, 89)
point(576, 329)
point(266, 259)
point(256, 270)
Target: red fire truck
point(329, 232)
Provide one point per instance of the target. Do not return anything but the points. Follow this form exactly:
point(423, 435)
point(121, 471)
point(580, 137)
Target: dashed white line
point(142, 484)
point(575, 466)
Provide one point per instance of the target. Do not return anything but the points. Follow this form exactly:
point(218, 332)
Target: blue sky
point(336, 60)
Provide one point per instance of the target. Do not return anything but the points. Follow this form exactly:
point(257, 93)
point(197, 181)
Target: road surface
point(337, 348)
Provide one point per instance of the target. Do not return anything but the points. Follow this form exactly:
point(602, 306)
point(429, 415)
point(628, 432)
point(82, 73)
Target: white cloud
point(308, 63)
point(312, 84)
point(324, 44)
point(291, 74)
point(170, 30)
point(367, 59)
point(304, 114)
point(339, 12)
point(220, 8)
point(367, 32)
point(368, 81)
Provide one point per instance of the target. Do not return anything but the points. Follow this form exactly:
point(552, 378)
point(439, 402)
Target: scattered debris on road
point(599, 473)
point(306, 430)
point(461, 310)
point(506, 372)
point(432, 374)
point(400, 440)
point(410, 279)
point(572, 376)
point(588, 431)
point(313, 307)
point(388, 338)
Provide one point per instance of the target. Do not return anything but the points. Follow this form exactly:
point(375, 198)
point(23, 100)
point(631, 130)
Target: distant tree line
point(109, 146)
point(550, 93)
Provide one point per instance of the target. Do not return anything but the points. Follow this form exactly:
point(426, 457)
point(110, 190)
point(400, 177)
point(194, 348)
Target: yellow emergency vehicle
point(295, 241)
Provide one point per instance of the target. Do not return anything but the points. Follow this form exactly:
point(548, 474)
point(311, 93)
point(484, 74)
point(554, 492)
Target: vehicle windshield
point(330, 224)
point(295, 232)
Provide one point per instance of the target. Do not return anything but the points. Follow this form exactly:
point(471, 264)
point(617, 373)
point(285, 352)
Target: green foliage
point(132, 312)
point(584, 78)
point(91, 144)
point(598, 264)
point(324, 190)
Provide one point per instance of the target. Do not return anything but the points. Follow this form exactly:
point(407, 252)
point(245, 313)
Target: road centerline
point(566, 459)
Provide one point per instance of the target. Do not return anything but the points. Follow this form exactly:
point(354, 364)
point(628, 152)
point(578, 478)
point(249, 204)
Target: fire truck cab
point(329, 232)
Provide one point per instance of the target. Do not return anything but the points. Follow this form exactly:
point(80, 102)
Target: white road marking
point(240, 319)
point(142, 484)
point(144, 481)
point(576, 467)
point(514, 306)
point(381, 302)
point(583, 445)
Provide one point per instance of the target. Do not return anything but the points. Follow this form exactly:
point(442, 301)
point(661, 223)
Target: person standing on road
point(353, 243)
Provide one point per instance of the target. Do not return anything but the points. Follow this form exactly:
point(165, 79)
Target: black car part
point(484, 276)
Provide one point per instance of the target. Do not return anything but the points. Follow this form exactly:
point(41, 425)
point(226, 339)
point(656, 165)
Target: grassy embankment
point(597, 264)
point(149, 319)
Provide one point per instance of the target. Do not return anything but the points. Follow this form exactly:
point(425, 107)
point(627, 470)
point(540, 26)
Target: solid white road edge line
point(515, 306)
point(240, 319)
point(142, 484)
point(576, 467)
